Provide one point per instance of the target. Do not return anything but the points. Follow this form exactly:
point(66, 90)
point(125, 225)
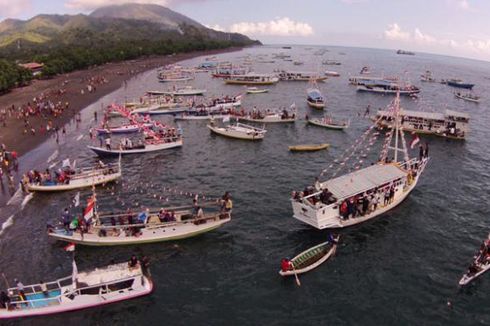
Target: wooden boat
point(331, 63)
point(312, 258)
point(251, 79)
point(181, 91)
point(271, 116)
point(450, 124)
point(183, 224)
point(409, 90)
point(315, 98)
point(82, 178)
point(81, 290)
point(330, 73)
point(468, 97)
point(123, 129)
point(427, 77)
point(329, 123)
point(308, 147)
point(239, 131)
point(148, 146)
point(470, 276)
point(162, 111)
point(174, 77)
point(301, 76)
point(204, 116)
point(459, 83)
point(325, 204)
point(255, 90)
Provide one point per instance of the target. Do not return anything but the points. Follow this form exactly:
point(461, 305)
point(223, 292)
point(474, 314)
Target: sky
point(449, 27)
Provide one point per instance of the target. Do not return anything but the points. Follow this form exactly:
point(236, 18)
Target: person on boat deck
point(108, 143)
point(20, 289)
point(331, 239)
point(4, 300)
point(65, 218)
point(44, 288)
point(343, 210)
point(73, 224)
point(286, 265)
point(318, 185)
point(143, 216)
point(426, 150)
point(133, 261)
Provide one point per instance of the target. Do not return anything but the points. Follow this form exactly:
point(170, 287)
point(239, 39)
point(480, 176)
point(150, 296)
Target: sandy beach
point(71, 93)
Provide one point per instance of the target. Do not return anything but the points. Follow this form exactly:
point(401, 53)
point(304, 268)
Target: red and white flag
point(70, 247)
point(88, 213)
point(415, 140)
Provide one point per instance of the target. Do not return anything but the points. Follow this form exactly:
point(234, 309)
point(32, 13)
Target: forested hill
point(120, 32)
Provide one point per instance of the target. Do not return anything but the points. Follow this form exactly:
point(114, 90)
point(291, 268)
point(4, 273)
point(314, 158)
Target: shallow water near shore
point(400, 268)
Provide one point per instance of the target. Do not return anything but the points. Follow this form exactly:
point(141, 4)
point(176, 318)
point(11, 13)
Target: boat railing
point(157, 225)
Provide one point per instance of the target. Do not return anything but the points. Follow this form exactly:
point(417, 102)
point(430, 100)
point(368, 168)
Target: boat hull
point(150, 235)
point(148, 148)
point(235, 134)
point(315, 105)
point(328, 126)
point(76, 184)
point(308, 148)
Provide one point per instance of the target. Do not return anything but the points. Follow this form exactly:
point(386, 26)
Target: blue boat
point(315, 98)
point(459, 83)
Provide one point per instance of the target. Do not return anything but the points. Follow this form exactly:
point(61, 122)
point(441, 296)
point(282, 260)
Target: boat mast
point(397, 126)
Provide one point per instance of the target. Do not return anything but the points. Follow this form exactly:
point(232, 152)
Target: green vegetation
point(65, 43)
point(12, 75)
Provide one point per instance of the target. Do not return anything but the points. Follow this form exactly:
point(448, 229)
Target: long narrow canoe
point(308, 147)
point(331, 125)
point(311, 258)
point(468, 277)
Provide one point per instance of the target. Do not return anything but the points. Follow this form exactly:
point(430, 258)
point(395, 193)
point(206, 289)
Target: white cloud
point(11, 8)
point(216, 27)
point(278, 27)
point(423, 38)
point(394, 32)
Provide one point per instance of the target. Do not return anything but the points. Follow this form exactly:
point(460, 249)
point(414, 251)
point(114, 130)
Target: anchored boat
point(375, 189)
point(270, 116)
point(251, 79)
point(239, 131)
point(81, 290)
point(300, 76)
point(70, 179)
point(308, 147)
point(315, 99)
point(468, 97)
point(329, 123)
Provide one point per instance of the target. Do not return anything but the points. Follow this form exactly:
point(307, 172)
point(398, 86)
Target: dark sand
point(116, 73)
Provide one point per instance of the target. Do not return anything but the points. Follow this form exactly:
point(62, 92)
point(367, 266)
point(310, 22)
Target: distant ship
point(405, 52)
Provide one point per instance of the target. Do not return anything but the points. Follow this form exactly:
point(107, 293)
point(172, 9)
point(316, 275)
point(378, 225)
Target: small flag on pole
point(76, 200)
point(415, 140)
point(70, 247)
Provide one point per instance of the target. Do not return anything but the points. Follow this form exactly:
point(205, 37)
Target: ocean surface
point(401, 268)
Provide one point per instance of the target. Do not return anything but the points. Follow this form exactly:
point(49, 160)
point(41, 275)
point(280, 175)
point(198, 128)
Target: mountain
point(115, 22)
point(169, 19)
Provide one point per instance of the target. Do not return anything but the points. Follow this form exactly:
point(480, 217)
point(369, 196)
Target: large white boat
point(70, 179)
point(122, 129)
point(409, 90)
point(181, 91)
point(239, 131)
point(81, 290)
point(451, 124)
point(270, 116)
point(173, 223)
point(252, 79)
point(177, 76)
point(367, 192)
point(149, 145)
point(301, 76)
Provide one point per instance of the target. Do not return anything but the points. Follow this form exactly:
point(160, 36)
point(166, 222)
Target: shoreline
point(66, 90)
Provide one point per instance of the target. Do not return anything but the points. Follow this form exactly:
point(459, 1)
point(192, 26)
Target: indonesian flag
point(88, 213)
point(415, 140)
point(70, 247)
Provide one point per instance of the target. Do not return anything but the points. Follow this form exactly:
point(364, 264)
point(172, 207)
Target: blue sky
point(452, 27)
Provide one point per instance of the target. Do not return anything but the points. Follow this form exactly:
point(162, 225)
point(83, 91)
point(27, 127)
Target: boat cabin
point(331, 203)
point(451, 124)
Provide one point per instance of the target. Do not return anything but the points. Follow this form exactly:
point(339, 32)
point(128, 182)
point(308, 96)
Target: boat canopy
point(314, 94)
point(363, 180)
point(455, 115)
point(416, 114)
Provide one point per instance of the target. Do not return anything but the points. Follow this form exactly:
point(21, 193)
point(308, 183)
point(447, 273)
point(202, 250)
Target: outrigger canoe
point(312, 258)
point(308, 147)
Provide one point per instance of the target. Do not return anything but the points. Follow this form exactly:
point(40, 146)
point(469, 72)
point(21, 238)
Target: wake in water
point(26, 200)
point(16, 198)
point(9, 222)
point(53, 156)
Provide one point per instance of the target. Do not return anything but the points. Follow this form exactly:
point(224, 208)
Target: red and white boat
point(123, 129)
